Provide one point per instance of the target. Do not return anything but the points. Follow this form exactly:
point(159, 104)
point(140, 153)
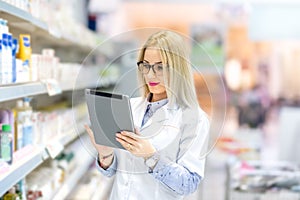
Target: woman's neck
point(157, 97)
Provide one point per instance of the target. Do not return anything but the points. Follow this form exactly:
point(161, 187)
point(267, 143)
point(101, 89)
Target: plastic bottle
point(14, 64)
point(5, 52)
point(4, 58)
point(2, 50)
point(1, 70)
point(27, 125)
point(1, 27)
point(5, 27)
point(11, 122)
point(9, 58)
point(6, 144)
point(19, 113)
point(24, 54)
point(36, 135)
point(11, 195)
point(4, 119)
point(21, 189)
point(0, 143)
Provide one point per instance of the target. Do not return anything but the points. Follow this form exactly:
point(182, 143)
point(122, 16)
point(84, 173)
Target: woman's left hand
point(135, 144)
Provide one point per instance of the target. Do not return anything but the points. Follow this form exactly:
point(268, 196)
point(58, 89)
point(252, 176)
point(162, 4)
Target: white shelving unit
point(30, 157)
point(18, 17)
point(22, 20)
point(20, 168)
point(71, 182)
point(10, 92)
point(34, 156)
point(83, 162)
point(15, 91)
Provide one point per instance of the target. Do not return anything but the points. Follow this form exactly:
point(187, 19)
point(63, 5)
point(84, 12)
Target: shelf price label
point(53, 87)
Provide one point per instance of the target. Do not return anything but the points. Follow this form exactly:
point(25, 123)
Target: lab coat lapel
point(138, 108)
point(161, 117)
point(157, 120)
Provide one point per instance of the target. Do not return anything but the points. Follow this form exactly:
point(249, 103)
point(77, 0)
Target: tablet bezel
point(123, 116)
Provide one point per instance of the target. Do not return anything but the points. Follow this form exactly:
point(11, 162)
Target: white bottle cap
point(20, 104)
point(26, 104)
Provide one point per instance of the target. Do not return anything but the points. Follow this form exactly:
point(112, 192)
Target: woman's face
point(154, 81)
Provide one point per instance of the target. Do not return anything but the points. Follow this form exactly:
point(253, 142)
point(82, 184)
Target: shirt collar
point(156, 105)
point(163, 102)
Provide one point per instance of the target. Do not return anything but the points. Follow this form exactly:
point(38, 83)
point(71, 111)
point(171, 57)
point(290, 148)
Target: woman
point(163, 159)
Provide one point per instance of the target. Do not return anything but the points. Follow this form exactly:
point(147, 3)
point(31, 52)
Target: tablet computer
point(109, 113)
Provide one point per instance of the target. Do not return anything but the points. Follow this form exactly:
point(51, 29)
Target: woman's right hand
point(102, 150)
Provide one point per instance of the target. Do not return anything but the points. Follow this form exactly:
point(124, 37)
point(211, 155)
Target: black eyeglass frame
point(151, 66)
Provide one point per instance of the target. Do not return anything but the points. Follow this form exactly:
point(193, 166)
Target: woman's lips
point(153, 83)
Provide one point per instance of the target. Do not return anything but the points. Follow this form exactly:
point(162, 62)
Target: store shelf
point(74, 178)
point(49, 36)
point(18, 17)
point(83, 162)
point(28, 158)
point(56, 39)
point(57, 145)
point(10, 92)
point(15, 91)
point(24, 162)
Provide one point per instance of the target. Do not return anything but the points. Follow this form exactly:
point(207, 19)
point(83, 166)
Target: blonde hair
point(179, 82)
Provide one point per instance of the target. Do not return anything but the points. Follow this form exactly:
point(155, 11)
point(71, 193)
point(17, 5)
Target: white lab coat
point(179, 135)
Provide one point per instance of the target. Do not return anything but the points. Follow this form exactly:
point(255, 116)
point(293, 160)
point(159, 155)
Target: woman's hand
point(135, 145)
point(102, 150)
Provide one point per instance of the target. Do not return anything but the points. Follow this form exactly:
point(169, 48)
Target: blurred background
point(246, 61)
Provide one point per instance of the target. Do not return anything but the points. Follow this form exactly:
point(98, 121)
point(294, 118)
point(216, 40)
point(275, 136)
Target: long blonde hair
point(179, 84)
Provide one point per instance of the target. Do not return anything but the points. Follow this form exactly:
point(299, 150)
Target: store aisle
point(215, 180)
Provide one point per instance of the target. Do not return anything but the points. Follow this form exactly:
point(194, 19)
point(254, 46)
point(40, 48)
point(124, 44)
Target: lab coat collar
point(162, 115)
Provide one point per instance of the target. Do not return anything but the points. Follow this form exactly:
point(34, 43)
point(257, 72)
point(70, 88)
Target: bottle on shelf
point(4, 58)
point(1, 62)
point(35, 126)
point(6, 53)
point(9, 58)
point(1, 49)
point(24, 54)
point(14, 62)
point(27, 125)
point(21, 189)
point(3, 120)
point(6, 144)
point(3, 27)
point(11, 195)
point(19, 113)
point(6, 117)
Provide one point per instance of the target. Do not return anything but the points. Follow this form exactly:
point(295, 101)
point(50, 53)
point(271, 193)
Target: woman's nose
point(151, 73)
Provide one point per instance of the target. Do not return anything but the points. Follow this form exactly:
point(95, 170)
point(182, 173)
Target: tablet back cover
point(109, 114)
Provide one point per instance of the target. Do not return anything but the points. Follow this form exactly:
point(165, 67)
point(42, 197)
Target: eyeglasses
point(145, 67)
